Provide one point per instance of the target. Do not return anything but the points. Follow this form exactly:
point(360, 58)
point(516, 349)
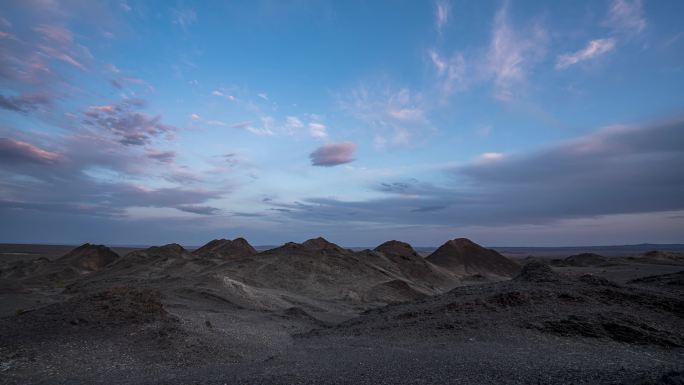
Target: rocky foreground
point(318, 313)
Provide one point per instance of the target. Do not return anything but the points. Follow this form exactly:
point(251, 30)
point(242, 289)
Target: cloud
point(58, 43)
point(14, 151)
point(132, 128)
point(442, 10)
point(451, 72)
point(84, 179)
point(24, 103)
point(195, 117)
point(161, 156)
point(318, 130)
point(398, 116)
point(244, 124)
point(593, 49)
point(264, 130)
point(333, 154)
point(512, 53)
point(184, 17)
point(293, 124)
point(626, 16)
point(620, 170)
point(55, 34)
point(216, 123)
point(201, 210)
point(491, 156)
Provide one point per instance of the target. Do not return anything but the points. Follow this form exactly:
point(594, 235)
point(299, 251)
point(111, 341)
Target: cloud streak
point(15, 151)
point(442, 10)
point(593, 49)
point(24, 103)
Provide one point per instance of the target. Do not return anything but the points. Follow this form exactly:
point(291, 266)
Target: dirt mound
point(21, 269)
point(116, 307)
point(314, 246)
point(615, 326)
point(408, 264)
point(596, 280)
point(394, 291)
point(463, 256)
point(226, 249)
point(583, 260)
point(537, 272)
point(89, 257)
point(154, 253)
point(662, 256)
point(321, 244)
point(674, 280)
point(397, 248)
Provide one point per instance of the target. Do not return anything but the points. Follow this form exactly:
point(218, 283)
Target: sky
point(513, 123)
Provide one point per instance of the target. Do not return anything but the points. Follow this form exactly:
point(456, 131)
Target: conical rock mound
point(537, 272)
point(397, 248)
point(462, 255)
point(90, 257)
point(226, 249)
point(321, 243)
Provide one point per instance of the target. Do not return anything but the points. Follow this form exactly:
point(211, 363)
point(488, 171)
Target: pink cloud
point(15, 151)
point(55, 34)
point(333, 154)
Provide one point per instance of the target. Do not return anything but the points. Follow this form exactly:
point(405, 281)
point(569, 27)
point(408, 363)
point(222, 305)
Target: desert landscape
point(315, 312)
point(263, 192)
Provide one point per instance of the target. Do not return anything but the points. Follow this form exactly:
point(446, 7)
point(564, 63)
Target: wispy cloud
point(184, 17)
point(512, 53)
point(24, 103)
point(333, 154)
point(626, 16)
point(442, 11)
point(318, 130)
point(397, 115)
point(451, 72)
point(593, 49)
point(244, 124)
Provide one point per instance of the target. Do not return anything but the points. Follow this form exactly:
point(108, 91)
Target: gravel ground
point(541, 327)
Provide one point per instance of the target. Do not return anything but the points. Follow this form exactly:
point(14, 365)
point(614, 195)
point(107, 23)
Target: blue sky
point(509, 122)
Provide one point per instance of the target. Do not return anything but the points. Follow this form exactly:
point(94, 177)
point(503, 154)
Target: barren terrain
point(315, 312)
